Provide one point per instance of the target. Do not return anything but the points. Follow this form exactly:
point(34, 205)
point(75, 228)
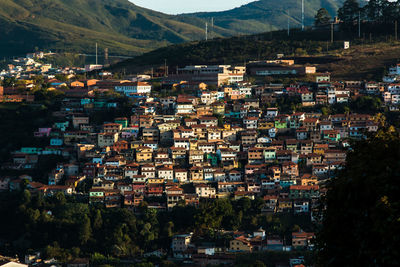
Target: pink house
point(43, 132)
point(127, 135)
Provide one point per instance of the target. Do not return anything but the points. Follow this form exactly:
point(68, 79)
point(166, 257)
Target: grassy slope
point(227, 50)
point(362, 61)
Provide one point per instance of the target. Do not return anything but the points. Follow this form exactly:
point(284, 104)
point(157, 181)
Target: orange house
point(91, 82)
point(121, 145)
point(77, 84)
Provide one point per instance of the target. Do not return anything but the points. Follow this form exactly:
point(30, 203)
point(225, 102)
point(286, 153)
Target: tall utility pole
point(331, 32)
point(288, 24)
point(302, 15)
point(206, 31)
point(105, 56)
point(359, 24)
point(96, 55)
point(165, 67)
point(212, 28)
point(395, 30)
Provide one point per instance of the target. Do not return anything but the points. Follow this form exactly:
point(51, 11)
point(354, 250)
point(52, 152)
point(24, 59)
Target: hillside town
point(203, 132)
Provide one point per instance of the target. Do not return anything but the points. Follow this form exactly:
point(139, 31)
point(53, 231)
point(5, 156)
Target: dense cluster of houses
point(24, 69)
point(220, 141)
point(183, 247)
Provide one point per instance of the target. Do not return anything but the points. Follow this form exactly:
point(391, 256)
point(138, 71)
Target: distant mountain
point(75, 25)
point(126, 29)
point(267, 15)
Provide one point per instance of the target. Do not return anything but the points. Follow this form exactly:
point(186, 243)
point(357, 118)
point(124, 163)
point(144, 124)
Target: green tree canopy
point(361, 225)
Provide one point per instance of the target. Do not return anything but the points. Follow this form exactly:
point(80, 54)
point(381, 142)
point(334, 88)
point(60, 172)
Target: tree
point(360, 225)
point(97, 221)
point(168, 229)
point(374, 9)
point(325, 111)
point(61, 77)
point(323, 17)
point(349, 11)
point(390, 11)
point(367, 104)
point(59, 199)
point(258, 263)
point(9, 81)
point(85, 230)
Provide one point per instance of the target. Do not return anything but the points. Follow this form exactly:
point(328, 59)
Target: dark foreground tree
point(349, 11)
point(361, 223)
point(323, 17)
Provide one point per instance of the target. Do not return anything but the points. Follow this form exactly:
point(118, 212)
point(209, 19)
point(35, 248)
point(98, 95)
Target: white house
point(166, 173)
point(181, 175)
point(133, 88)
point(205, 191)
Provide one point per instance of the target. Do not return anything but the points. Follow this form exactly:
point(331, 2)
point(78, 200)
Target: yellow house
point(228, 90)
point(144, 154)
point(137, 144)
point(218, 108)
point(203, 110)
point(155, 181)
point(227, 127)
point(284, 205)
point(265, 125)
point(240, 244)
point(193, 144)
point(309, 180)
point(320, 148)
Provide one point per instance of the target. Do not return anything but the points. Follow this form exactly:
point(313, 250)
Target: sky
point(188, 6)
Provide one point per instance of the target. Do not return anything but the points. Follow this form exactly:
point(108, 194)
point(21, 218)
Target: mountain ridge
point(127, 29)
point(75, 24)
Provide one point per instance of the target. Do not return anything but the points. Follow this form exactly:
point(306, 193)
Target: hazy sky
point(186, 6)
